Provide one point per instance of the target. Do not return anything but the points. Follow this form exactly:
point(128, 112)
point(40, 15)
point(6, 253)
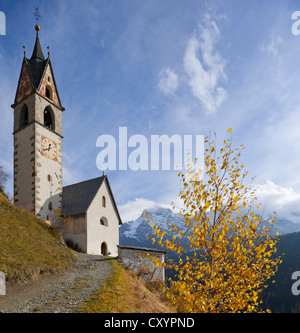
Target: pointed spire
point(37, 51)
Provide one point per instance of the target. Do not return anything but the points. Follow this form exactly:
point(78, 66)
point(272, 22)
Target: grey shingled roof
point(77, 197)
point(147, 249)
point(37, 50)
point(35, 69)
point(36, 64)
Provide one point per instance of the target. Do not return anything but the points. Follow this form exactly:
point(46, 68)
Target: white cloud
point(133, 209)
point(205, 74)
point(68, 176)
point(71, 174)
point(285, 201)
point(273, 46)
point(168, 81)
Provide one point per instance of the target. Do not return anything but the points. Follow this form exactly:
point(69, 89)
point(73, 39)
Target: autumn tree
point(227, 257)
point(61, 223)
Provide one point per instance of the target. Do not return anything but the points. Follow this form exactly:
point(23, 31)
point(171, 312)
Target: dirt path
point(59, 293)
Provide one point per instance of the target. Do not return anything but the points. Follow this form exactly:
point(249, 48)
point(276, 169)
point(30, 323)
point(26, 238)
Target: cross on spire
point(37, 15)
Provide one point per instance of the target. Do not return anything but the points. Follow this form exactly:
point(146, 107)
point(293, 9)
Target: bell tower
point(37, 136)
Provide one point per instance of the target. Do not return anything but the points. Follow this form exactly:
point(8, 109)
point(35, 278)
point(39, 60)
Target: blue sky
point(165, 67)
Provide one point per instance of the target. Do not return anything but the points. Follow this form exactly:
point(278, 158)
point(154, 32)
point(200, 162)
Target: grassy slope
point(124, 293)
point(28, 246)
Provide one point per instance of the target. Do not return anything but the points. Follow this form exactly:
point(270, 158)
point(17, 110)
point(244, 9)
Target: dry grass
point(28, 246)
point(124, 293)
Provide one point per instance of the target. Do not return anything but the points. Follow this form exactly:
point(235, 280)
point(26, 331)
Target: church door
point(104, 249)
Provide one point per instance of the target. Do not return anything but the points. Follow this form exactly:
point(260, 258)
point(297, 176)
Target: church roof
point(37, 51)
point(36, 67)
point(36, 64)
point(78, 197)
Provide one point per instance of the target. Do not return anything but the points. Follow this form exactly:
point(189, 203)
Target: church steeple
point(37, 136)
point(37, 75)
point(37, 51)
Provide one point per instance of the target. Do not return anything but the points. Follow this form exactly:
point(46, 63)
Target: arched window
point(103, 201)
point(103, 221)
point(104, 249)
point(48, 92)
point(48, 118)
point(24, 116)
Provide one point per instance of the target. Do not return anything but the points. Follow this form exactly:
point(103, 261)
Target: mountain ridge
point(135, 232)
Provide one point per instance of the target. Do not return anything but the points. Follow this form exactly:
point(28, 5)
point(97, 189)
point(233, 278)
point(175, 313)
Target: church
point(38, 165)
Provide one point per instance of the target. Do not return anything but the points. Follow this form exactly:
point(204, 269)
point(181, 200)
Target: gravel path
point(58, 293)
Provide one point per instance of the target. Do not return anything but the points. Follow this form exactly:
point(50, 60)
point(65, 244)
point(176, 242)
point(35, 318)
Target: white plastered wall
point(97, 233)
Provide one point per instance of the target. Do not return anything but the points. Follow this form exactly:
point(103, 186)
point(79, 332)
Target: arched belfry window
point(103, 201)
point(24, 116)
point(48, 92)
point(48, 118)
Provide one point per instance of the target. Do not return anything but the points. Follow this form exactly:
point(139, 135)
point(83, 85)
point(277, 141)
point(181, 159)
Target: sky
point(168, 67)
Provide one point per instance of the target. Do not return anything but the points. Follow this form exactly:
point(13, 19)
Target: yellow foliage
point(231, 257)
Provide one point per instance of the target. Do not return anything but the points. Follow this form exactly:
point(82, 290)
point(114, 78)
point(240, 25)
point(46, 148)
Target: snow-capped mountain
point(135, 232)
point(284, 226)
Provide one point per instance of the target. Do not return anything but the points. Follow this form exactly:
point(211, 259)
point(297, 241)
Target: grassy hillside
point(124, 292)
point(28, 246)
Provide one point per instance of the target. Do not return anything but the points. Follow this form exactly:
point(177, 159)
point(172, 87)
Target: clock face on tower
point(48, 148)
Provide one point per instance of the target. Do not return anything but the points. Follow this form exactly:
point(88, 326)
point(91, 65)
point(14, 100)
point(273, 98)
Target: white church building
point(94, 216)
point(38, 171)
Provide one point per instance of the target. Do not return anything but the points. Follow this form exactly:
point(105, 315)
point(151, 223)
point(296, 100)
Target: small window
point(49, 78)
point(103, 221)
point(48, 92)
point(49, 178)
point(50, 206)
point(103, 201)
point(24, 116)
